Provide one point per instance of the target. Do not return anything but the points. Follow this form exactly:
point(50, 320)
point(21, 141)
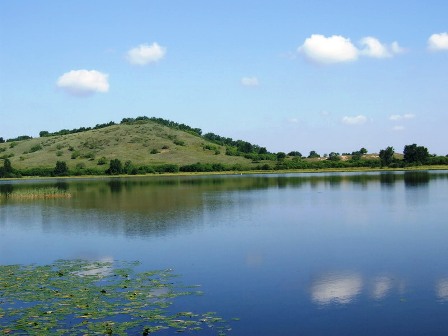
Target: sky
point(288, 75)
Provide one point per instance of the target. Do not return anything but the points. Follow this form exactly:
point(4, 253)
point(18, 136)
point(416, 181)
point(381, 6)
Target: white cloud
point(406, 116)
point(438, 42)
point(338, 49)
point(398, 128)
point(356, 120)
point(329, 50)
point(250, 81)
point(396, 48)
point(145, 54)
point(83, 82)
point(372, 47)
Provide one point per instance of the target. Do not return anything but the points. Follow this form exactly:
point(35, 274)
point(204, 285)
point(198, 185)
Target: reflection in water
point(416, 179)
point(442, 289)
point(336, 288)
point(381, 287)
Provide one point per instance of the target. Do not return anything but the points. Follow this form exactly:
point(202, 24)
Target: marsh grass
point(37, 193)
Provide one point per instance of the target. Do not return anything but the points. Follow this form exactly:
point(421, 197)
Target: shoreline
point(246, 172)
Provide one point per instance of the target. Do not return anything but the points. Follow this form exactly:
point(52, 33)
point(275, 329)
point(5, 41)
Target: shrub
point(102, 161)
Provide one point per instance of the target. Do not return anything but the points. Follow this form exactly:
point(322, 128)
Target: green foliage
point(414, 154)
point(7, 171)
point(59, 153)
point(281, 156)
point(2, 140)
point(60, 169)
point(13, 144)
point(20, 138)
point(75, 155)
point(115, 167)
point(129, 168)
point(295, 154)
point(154, 151)
point(203, 167)
point(313, 155)
point(334, 156)
point(102, 161)
point(44, 134)
point(179, 142)
point(386, 156)
point(79, 297)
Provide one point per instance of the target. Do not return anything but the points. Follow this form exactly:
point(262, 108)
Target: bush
point(102, 161)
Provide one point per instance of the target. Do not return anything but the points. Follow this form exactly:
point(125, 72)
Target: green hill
point(143, 142)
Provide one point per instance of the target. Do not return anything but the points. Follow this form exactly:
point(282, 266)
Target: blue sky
point(287, 75)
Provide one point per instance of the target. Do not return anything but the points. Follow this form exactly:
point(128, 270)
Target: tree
point(2, 140)
point(295, 153)
point(363, 151)
point(60, 169)
point(6, 170)
point(44, 134)
point(313, 155)
point(281, 156)
point(115, 167)
point(415, 154)
point(386, 156)
point(334, 156)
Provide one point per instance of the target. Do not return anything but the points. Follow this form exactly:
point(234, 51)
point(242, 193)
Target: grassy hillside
point(146, 143)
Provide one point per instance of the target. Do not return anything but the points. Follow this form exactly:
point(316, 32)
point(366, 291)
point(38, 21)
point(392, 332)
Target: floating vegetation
point(85, 298)
point(37, 193)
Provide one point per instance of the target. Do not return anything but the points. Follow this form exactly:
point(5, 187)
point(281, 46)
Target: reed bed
point(37, 193)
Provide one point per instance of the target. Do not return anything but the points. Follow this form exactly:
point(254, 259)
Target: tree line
point(413, 155)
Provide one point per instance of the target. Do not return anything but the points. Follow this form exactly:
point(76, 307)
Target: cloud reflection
point(381, 287)
point(336, 288)
point(442, 289)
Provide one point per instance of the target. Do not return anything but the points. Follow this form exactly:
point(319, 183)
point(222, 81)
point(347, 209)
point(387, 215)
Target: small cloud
point(145, 54)
point(250, 81)
point(396, 48)
point(374, 48)
point(398, 128)
point(328, 50)
point(438, 42)
point(356, 120)
point(406, 116)
point(293, 120)
point(83, 82)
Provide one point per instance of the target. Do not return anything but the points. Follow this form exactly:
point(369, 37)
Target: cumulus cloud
point(356, 120)
point(328, 50)
point(339, 49)
point(145, 54)
point(250, 81)
point(372, 47)
point(438, 42)
point(396, 117)
point(83, 82)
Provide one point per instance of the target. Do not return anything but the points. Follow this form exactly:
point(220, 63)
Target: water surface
point(295, 254)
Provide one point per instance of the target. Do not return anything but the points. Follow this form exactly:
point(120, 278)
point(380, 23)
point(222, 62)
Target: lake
point(293, 254)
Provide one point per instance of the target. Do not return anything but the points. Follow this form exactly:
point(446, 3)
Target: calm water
point(308, 254)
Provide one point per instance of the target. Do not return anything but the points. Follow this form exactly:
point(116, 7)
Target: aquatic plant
point(36, 193)
point(79, 297)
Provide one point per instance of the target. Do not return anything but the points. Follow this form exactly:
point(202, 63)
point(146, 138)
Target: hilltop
point(154, 145)
point(142, 141)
